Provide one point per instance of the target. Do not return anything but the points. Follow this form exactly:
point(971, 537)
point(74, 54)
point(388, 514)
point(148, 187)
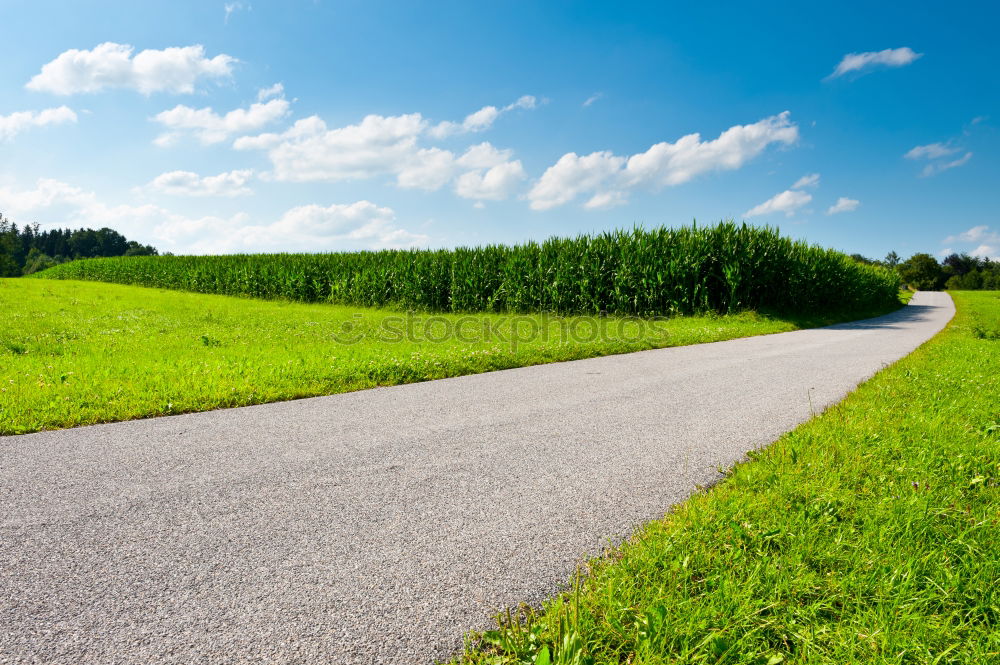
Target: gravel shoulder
point(378, 526)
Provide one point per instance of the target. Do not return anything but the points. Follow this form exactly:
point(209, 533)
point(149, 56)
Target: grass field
point(725, 269)
point(77, 353)
point(870, 534)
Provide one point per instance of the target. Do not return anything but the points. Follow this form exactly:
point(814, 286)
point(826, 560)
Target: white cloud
point(937, 167)
point(606, 200)
point(494, 184)
point(811, 180)
point(186, 183)
point(930, 151)
point(233, 7)
point(480, 120)
point(359, 225)
point(975, 234)
point(573, 175)
point(593, 98)
point(664, 164)
point(788, 202)
point(110, 65)
point(428, 168)
point(309, 151)
point(46, 194)
point(890, 57)
point(15, 123)
point(987, 251)
point(276, 90)
point(484, 156)
point(210, 127)
point(843, 204)
point(386, 146)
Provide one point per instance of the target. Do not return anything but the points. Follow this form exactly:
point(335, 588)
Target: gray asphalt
point(378, 526)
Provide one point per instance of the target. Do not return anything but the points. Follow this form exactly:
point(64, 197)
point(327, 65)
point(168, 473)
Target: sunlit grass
point(76, 353)
point(870, 534)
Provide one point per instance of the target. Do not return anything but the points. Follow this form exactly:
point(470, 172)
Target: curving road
point(378, 526)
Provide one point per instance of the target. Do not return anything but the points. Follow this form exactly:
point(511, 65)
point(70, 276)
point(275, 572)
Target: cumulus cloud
point(186, 183)
point(210, 127)
point(15, 123)
point(843, 204)
point(975, 234)
point(493, 184)
point(480, 120)
point(46, 194)
point(607, 177)
point(863, 62)
point(359, 225)
point(811, 180)
point(991, 252)
point(788, 202)
point(309, 151)
point(574, 175)
point(111, 65)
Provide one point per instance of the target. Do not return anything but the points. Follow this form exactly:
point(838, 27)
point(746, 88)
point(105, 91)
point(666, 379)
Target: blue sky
point(213, 127)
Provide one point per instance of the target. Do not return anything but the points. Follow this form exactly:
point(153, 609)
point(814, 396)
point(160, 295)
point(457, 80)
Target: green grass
point(77, 353)
point(725, 269)
point(870, 534)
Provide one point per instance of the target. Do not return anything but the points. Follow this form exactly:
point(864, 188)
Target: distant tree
point(961, 264)
point(862, 259)
point(135, 249)
point(30, 249)
point(891, 260)
point(36, 261)
point(9, 246)
point(922, 272)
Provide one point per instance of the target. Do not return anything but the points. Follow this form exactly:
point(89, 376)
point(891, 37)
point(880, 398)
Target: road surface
point(379, 526)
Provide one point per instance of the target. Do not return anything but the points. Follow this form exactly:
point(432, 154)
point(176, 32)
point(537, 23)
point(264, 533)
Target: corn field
point(723, 268)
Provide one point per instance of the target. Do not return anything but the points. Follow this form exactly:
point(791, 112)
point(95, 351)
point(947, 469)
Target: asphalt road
point(378, 526)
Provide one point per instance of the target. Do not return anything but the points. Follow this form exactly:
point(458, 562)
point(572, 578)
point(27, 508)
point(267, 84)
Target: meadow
point(77, 353)
point(868, 534)
point(726, 268)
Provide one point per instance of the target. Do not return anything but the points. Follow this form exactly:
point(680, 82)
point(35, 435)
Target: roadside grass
point(78, 353)
point(870, 534)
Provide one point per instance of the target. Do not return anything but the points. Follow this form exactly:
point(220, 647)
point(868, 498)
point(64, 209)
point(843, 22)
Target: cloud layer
point(607, 177)
point(186, 183)
point(391, 146)
point(358, 225)
point(15, 123)
point(111, 65)
point(210, 127)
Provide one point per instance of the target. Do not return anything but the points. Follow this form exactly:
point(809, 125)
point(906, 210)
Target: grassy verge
point(870, 534)
point(76, 353)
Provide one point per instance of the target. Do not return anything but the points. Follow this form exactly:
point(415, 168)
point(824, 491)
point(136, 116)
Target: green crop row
point(723, 268)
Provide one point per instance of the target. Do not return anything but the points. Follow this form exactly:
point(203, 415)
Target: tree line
point(958, 272)
point(28, 249)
